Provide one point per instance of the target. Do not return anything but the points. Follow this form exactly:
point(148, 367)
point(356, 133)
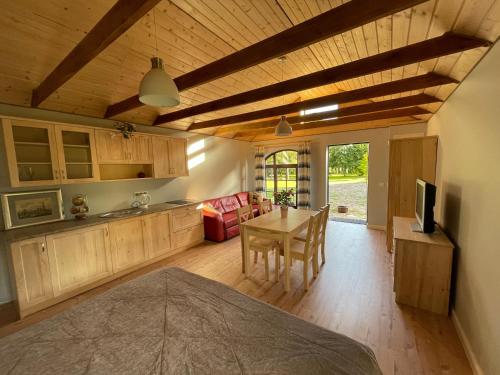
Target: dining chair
point(265, 207)
point(325, 213)
point(256, 244)
point(307, 250)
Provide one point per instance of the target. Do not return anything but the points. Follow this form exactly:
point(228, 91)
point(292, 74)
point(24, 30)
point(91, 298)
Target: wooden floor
point(352, 295)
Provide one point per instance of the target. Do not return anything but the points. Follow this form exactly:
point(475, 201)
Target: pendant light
point(283, 129)
point(157, 88)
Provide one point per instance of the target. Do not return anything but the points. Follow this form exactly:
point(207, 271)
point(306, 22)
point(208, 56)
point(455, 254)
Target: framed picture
point(31, 207)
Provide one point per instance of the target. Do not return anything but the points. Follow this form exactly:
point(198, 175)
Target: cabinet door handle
point(63, 173)
point(56, 174)
point(106, 231)
point(43, 247)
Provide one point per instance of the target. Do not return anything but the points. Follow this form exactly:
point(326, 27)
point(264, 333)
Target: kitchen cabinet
point(78, 258)
point(156, 231)
point(31, 153)
point(77, 154)
point(31, 272)
point(127, 244)
point(170, 157)
point(113, 148)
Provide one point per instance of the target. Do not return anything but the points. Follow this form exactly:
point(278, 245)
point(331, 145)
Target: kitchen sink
point(121, 213)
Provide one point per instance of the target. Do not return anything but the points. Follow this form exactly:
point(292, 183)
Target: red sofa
point(223, 224)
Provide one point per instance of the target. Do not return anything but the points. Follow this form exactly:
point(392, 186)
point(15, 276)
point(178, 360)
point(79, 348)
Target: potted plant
point(284, 198)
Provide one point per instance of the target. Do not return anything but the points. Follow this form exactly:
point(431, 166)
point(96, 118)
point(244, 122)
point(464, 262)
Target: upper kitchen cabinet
point(77, 154)
point(124, 158)
point(170, 157)
point(31, 153)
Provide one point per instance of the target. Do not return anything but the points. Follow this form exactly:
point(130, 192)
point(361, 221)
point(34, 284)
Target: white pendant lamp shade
point(157, 88)
point(283, 128)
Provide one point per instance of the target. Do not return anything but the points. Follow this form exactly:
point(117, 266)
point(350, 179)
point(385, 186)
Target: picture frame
point(22, 209)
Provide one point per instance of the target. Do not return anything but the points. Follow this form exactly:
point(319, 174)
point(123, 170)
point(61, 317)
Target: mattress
point(174, 322)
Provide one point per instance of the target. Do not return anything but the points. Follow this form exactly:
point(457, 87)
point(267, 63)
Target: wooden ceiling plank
point(114, 23)
point(390, 88)
point(411, 111)
point(407, 101)
point(347, 16)
point(444, 45)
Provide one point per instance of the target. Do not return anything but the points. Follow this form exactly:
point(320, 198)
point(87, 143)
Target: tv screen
point(424, 206)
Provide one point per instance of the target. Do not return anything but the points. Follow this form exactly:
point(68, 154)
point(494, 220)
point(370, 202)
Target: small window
point(281, 173)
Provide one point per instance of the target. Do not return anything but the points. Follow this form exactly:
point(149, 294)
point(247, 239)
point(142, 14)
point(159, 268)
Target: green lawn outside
point(281, 185)
point(349, 179)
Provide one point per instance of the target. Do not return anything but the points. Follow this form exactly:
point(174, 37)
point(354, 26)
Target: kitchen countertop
point(14, 235)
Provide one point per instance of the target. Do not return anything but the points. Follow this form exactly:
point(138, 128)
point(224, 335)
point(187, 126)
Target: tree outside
point(348, 181)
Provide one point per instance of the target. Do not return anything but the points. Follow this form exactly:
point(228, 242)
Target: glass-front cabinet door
point(77, 156)
point(31, 153)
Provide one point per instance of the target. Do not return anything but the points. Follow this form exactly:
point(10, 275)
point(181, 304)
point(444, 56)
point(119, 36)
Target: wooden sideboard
point(48, 269)
point(43, 153)
point(422, 267)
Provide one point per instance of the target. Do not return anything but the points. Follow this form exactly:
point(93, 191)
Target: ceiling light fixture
point(157, 88)
point(283, 129)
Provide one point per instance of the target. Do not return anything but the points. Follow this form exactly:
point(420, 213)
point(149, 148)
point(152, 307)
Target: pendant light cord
point(156, 34)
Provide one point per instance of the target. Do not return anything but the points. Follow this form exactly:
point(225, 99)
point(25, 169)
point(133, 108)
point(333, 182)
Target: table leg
point(242, 240)
point(286, 250)
point(246, 251)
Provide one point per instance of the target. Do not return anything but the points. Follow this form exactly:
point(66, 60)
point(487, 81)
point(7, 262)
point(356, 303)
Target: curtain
point(259, 170)
point(304, 179)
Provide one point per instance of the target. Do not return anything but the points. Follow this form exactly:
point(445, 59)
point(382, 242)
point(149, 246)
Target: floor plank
point(352, 295)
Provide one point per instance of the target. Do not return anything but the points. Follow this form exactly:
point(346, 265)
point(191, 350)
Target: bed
point(174, 322)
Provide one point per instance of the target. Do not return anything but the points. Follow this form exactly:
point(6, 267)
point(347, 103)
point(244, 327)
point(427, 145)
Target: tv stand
point(422, 266)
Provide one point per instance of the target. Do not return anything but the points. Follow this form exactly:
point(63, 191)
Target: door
point(127, 244)
point(31, 153)
point(161, 164)
point(31, 272)
point(140, 149)
point(111, 147)
point(157, 239)
point(78, 258)
point(177, 153)
point(77, 154)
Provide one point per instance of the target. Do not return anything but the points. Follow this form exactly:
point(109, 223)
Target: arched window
point(281, 172)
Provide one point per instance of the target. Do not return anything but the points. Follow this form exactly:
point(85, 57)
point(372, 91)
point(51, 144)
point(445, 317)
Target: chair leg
point(315, 264)
point(266, 263)
point(323, 251)
point(306, 275)
point(276, 265)
point(256, 254)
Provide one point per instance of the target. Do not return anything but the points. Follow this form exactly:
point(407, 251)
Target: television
point(424, 206)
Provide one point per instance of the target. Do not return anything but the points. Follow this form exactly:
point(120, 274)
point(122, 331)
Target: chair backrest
point(244, 214)
point(265, 207)
point(325, 210)
point(312, 236)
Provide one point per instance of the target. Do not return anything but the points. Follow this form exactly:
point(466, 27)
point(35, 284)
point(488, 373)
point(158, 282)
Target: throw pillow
point(209, 208)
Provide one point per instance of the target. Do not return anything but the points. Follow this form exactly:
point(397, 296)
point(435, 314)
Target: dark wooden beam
point(407, 101)
point(446, 44)
point(384, 115)
point(114, 23)
point(383, 89)
point(333, 22)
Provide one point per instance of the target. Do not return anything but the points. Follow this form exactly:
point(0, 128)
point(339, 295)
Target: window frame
point(275, 167)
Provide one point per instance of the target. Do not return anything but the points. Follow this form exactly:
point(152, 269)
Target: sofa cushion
point(230, 219)
point(232, 232)
point(230, 203)
point(215, 203)
point(242, 198)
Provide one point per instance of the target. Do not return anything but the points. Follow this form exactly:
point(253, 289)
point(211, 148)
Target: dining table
point(275, 227)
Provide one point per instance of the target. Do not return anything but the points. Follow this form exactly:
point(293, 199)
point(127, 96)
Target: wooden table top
point(272, 221)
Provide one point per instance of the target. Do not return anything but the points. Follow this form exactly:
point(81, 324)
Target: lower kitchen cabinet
point(79, 257)
point(156, 232)
point(127, 244)
point(30, 264)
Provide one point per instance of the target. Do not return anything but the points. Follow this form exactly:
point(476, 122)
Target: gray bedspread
point(175, 322)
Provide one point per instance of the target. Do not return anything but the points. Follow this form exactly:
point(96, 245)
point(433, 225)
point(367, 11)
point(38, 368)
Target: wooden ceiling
point(36, 36)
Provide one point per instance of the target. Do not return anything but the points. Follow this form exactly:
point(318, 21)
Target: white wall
point(223, 172)
point(468, 206)
point(378, 164)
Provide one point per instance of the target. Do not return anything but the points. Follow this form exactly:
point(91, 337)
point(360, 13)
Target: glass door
point(31, 153)
point(77, 154)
